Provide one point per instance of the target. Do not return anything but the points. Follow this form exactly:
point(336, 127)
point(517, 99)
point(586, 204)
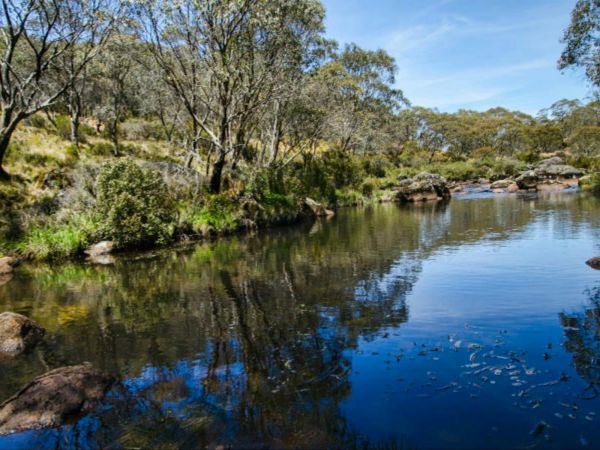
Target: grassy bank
point(63, 198)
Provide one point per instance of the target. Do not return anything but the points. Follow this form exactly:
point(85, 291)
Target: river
point(469, 324)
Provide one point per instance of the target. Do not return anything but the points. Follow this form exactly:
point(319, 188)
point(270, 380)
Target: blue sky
point(474, 54)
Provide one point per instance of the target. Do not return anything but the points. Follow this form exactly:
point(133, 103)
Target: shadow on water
point(251, 341)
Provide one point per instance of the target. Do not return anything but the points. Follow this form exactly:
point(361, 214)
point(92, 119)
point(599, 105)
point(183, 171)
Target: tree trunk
point(3, 146)
point(5, 135)
point(215, 179)
point(74, 138)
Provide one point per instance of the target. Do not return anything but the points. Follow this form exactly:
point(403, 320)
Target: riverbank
point(63, 198)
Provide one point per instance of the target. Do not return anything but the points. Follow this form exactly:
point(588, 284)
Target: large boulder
point(53, 398)
point(423, 187)
point(18, 333)
point(317, 209)
point(550, 174)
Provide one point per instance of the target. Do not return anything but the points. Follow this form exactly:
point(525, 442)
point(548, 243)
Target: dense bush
point(134, 204)
point(141, 130)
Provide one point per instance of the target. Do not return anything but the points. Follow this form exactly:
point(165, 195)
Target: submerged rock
point(18, 333)
point(54, 397)
point(423, 187)
point(317, 209)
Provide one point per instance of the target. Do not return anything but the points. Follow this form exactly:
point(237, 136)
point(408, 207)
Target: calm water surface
point(460, 325)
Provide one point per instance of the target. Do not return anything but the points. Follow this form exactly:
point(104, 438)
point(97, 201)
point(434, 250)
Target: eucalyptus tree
point(35, 38)
point(227, 61)
point(118, 83)
point(361, 94)
point(582, 40)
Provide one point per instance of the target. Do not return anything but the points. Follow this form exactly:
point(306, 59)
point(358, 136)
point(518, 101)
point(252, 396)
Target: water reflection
point(252, 341)
point(582, 333)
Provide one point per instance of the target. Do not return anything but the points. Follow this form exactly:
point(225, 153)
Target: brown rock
point(594, 263)
point(18, 333)
point(513, 188)
point(6, 265)
point(54, 397)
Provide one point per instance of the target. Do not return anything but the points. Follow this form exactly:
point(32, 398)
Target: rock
point(7, 264)
point(557, 170)
point(5, 278)
point(317, 209)
point(501, 184)
point(457, 188)
point(555, 160)
point(594, 263)
point(101, 248)
point(18, 333)
point(483, 181)
point(423, 187)
point(54, 397)
point(513, 188)
point(527, 180)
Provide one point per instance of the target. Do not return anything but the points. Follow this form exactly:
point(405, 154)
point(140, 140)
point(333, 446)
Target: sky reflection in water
point(460, 325)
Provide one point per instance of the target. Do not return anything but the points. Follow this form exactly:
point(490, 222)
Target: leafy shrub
point(134, 204)
point(528, 156)
point(376, 167)
point(101, 149)
point(348, 197)
point(218, 214)
point(37, 121)
point(62, 125)
point(368, 187)
point(140, 129)
point(591, 183)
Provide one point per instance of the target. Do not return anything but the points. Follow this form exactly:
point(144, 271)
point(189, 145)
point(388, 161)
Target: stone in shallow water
point(54, 397)
point(594, 263)
point(18, 333)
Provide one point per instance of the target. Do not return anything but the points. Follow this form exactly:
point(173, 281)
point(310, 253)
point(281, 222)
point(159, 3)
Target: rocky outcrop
point(317, 209)
point(53, 398)
point(18, 333)
point(423, 187)
point(7, 265)
point(550, 174)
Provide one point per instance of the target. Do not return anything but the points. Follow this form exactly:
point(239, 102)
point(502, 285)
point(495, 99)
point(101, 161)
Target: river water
point(469, 324)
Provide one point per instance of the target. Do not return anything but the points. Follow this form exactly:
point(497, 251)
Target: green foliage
point(62, 126)
point(219, 214)
point(137, 129)
point(591, 183)
point(376, 167)
point(348, 197)
point(37, 121)
point(101, 149)
point(134, 205)
point(58, 240)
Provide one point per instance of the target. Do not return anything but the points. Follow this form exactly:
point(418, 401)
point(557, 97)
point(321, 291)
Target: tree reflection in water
point(582, 332)
point(246, 341)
